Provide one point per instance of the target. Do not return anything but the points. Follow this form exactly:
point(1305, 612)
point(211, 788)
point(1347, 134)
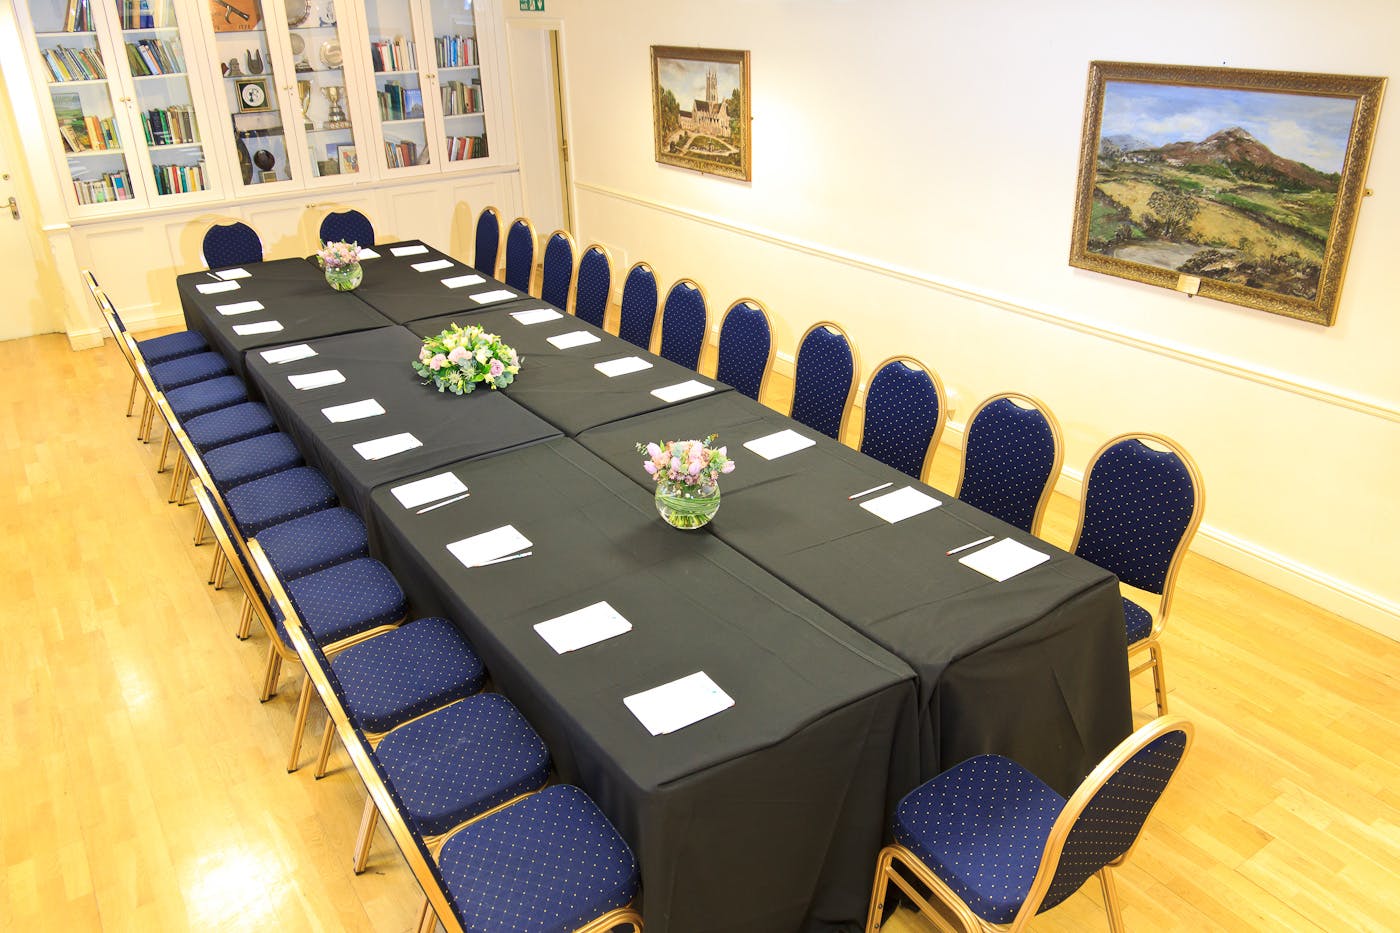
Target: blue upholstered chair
point(904, 415)
point(996, 846)
point(187, 370)
point(1143, 500)
point(594, 287)
point(684, 322)
point(233, 244)
point(746, 347)
point(557, 277)
point(488, 241)
point(347, 227)
point(520, 254)
point(229, 425)
point(1011, 457)
point(825, 382)
point(637, 319)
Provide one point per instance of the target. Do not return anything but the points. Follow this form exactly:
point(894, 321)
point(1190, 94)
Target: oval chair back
point(488, 241)
point(594, 286)
point(745, 347)
point(520, 254)
point(557, 279)
point(638, 317)
point(347, 227)
point(684, 321)
point(904, 415)
point(825, 383)
point(233, 244)
point(1012, 453)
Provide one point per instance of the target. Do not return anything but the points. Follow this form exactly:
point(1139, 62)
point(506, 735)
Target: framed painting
point(1233, 184)
point(701, 111)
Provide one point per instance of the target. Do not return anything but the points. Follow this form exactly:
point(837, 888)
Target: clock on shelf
point(252, 95)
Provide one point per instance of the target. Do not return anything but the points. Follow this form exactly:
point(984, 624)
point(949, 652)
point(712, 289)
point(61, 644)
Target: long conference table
point(860, 659)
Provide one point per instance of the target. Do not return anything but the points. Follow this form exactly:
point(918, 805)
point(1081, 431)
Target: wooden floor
point(142, 785)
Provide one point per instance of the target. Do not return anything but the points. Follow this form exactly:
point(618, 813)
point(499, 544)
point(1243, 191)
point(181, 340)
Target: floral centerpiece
point(687, 479)
point(341, 262)
point(460, 357)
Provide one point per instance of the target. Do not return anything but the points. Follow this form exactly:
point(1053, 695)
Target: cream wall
point(914, 169)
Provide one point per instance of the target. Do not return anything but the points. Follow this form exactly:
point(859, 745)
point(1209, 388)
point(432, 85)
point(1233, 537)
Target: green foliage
point(1173, 211)
point(670, 113)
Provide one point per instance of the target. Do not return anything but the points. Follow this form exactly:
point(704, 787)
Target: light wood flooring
point(142, 785)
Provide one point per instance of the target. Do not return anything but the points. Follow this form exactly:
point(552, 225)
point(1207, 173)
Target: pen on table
point(502, 560)
point(438, 505)
point(970, 544)
point(213, 276)
point(869, 491)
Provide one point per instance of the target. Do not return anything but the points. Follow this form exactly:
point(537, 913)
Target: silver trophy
point(335, 117)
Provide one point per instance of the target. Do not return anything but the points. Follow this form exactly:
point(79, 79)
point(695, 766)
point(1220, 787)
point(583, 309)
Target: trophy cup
point(304, 92)
point(335, 118)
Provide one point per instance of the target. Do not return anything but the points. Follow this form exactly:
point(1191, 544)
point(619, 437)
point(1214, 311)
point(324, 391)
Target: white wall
point(914, 171)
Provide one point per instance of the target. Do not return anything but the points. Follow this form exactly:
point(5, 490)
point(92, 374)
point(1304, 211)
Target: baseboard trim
point(86, 339)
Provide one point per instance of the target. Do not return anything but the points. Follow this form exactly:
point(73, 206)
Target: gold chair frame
point(654, 339)
point(1028, 402)
point(661, 316)
point(536, 255)
point(573, 293)
point(575, 256)
point(500, 241)
point(104, 305)
point(913, 362)
point(855, 374)
point(772, 342)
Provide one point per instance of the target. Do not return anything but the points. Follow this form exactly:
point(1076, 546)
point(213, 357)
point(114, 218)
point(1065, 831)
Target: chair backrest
point(594, 286)
point(1140, 507)
point(557, 279)
point(825, 384)
point(745, 347)
point(347, 227)
point(684, 321)
point(520, 254)
point(904, 415)
point(1011, 457)
point(234, 244)
point(638, 317)
point(488, 241)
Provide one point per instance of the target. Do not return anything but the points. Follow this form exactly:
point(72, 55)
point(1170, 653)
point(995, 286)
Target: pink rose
point(497, 367)
point(458, 354)
point(694, 468)
point(728, 467)
point(437, 362)
point(424, 355)
point(649, 467)
point(653, 451)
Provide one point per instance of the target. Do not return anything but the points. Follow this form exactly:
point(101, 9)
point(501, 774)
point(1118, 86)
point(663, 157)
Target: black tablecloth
point(764, 817)
point(375, 365)
point(561, 386)
point(401, 293)
point(1033, 668)
point(293, 292)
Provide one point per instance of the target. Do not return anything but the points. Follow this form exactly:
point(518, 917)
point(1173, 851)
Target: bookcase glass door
point(398, 82)
point(314, 31)
point(250, 90)
point(459, 78)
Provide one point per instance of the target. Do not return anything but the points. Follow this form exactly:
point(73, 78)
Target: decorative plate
point(330, 53)
point(298, 43)
point(298, 12)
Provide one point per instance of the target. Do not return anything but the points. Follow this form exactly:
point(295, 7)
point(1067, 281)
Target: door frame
point(559, 69)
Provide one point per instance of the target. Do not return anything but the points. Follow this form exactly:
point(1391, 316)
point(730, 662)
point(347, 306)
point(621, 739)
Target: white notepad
point(535, 316)
point(681, 391)
point(676, 705)
point(487, 298)
point(574, 338)
point(261, 327)
point(623, 366)
point(430, 489)
point(213, 288)
point(1003, 560)
point(239, 307)
point(326, 377)
point(298, 351)
point(489, 545)
point(229, 274)
point(367, 253)
point(773, 446)
point(354, 411)
point(583, 627)
point(408, 250)
point(458, 281)
point(901, 504)
point(382, 447)
point(432, 265)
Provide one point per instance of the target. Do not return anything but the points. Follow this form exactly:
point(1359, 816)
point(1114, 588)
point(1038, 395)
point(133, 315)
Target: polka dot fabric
point(281, 497)
point(558, 275)
point(683, 323)
point(901, 413)
point(1138, 620)
point(548, 864)
point(594, 286)
point(638, 307)
point(1007, 457)
point(191, 401)
point(520, 255)
point(744, 342)
point(171, 346)
point(825, 370)
point(314, 542)
point(345, 600)
point(229, 425)
point(234, 244)
point(488, 241)
point(347, 227)
point(461, 761)
point(188, 370)
point(235, 464)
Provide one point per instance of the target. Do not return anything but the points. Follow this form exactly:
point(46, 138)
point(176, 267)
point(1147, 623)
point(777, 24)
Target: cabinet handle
point(14, 208)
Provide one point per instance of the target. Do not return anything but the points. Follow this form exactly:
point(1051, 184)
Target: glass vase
point(345, 278)
point(686, 507)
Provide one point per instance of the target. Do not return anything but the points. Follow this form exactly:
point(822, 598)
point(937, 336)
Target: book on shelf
point(466, 147)
point(179, 179)
point(142, 14)
point(169, 126)
point(461, 97)
point(78, 17)
point(455, 51)
point(155, 57)
point(112, 186)
point(397, 54)
point(401, 154)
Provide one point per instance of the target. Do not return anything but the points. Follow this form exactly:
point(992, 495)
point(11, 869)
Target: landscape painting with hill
point(1240, 185)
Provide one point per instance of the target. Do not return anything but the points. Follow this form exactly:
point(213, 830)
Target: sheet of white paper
point(213, 288)
point(228, 274)
point(326, 377)
point(535, 316)
point(489, 545)
point(354, 411)
point(489, 298)
point(773, 446)
point(239, 307)
point(382, 447)
point(676, 705)
point(1003, 560)
point(583, 627)
point(261, 327)
point(408, 250)
point(298, 351)
point(367, 253)
point(574, 338)
point(622, 366)
point(432, 265)
point(903, 503)
point(422, 491)
point(458, 281)
point(681, 391)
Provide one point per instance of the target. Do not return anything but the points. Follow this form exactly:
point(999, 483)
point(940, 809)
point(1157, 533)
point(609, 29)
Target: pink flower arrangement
point(688, 463)
point(459, 358)
point(338, 254)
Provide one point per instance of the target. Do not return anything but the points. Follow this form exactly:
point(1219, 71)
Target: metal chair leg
point(427, 920)
point(131, 396)
point(215, 566)
point(200, 526)
point(365, 838)
point(164, 452)
point(245, 620)
point(303, 707)
point(1159, 678)
point(274, 669)
point(327, 741)
point(1110, 900)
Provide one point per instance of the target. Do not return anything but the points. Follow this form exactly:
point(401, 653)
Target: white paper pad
point(681, 391)
point(488, 298)
point(489, 545)
point(536, 316)
point(574, 338)
point(422, 491)
point(298, 351)
point(773, 446)
point(228, 274)
point(240, 307)
point(432, 265)
point(408, 250)
point(458, 281)
point(367, 253)
point(901, 504)
point(326, 377)
point(262, 327)
point(382, 447)
point(583, 627)
point(676, 705)
point(353, 411)
point(212, 288)
point(623, 366)
point(1003, 560)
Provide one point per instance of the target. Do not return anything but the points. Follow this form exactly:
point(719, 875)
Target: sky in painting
point(686, 79)
point(1312, 130)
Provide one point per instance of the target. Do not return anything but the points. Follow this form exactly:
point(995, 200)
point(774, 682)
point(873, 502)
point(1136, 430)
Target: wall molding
point(1375, 408)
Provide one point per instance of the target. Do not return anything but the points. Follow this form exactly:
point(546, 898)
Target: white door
point(535, 83)
point(25, 310)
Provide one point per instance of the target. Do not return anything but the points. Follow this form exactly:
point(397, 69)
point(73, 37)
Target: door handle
point(14, 208)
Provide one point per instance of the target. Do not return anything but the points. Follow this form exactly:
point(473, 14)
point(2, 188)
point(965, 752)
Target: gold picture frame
point(710, 136)
point(1234, 184)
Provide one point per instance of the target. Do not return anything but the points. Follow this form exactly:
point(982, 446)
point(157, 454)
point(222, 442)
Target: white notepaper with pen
point(1003, 560)
point(903, 503)
point(298, 351)
point(459, 281)
point(682, 391)
point(261, 327)
point(415, 250)
point(432, 265)
point(422, 491)
point(574, 338)
point(535, 316)
point(488, 546)
point(623, 366)
point(367, 253)
point(238, 307)
point(773, 446)
point(487, 298)
point(679, 703)
point(230, 274)
point(326, 377)
point(382, 447)
point(213, 288)
point(583, 627)
point(353, 411)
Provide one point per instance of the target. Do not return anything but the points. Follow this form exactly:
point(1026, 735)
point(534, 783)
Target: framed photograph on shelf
point(349, 160)
point(253, 96)
point(700, 110)
point(1234, 184)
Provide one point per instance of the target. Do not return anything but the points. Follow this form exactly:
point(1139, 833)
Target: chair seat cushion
point(314, 542)
point(1138, 619)
point(208, 395)
point(242, 462)
point(344, 600)
point(187, 370)
point(550, 862)
point(229, 425)
point(461, 761)
point(981, 827)
point(280, 497)
point(162, 349)
point(399, 675)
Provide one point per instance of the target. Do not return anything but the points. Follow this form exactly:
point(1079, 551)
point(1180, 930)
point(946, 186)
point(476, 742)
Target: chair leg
point(274, 670)
point(215, 567)
point(303, 708)
point(175, 476)
point(427, 920)
point(245, 620)
point(1159, 678)
point(131, 396)
point(323, 759)
point(1110, 900)
point(164, 452)
point(879, 892)
point(143, 429)
point(365, 838)
point(223, 572)
point(200, 525)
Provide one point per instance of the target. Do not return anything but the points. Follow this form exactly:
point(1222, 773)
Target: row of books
point(466, 147)
point(86, 133)
point(461, 97)
point(170, 126)
point(455, 51)
point(397, 102)
point(67, 64)
point(401, 154)
point(138, 14)
point(398, 55)
point(155, 57)
point(112, 186)
point(178, 179)
point(78, 17)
